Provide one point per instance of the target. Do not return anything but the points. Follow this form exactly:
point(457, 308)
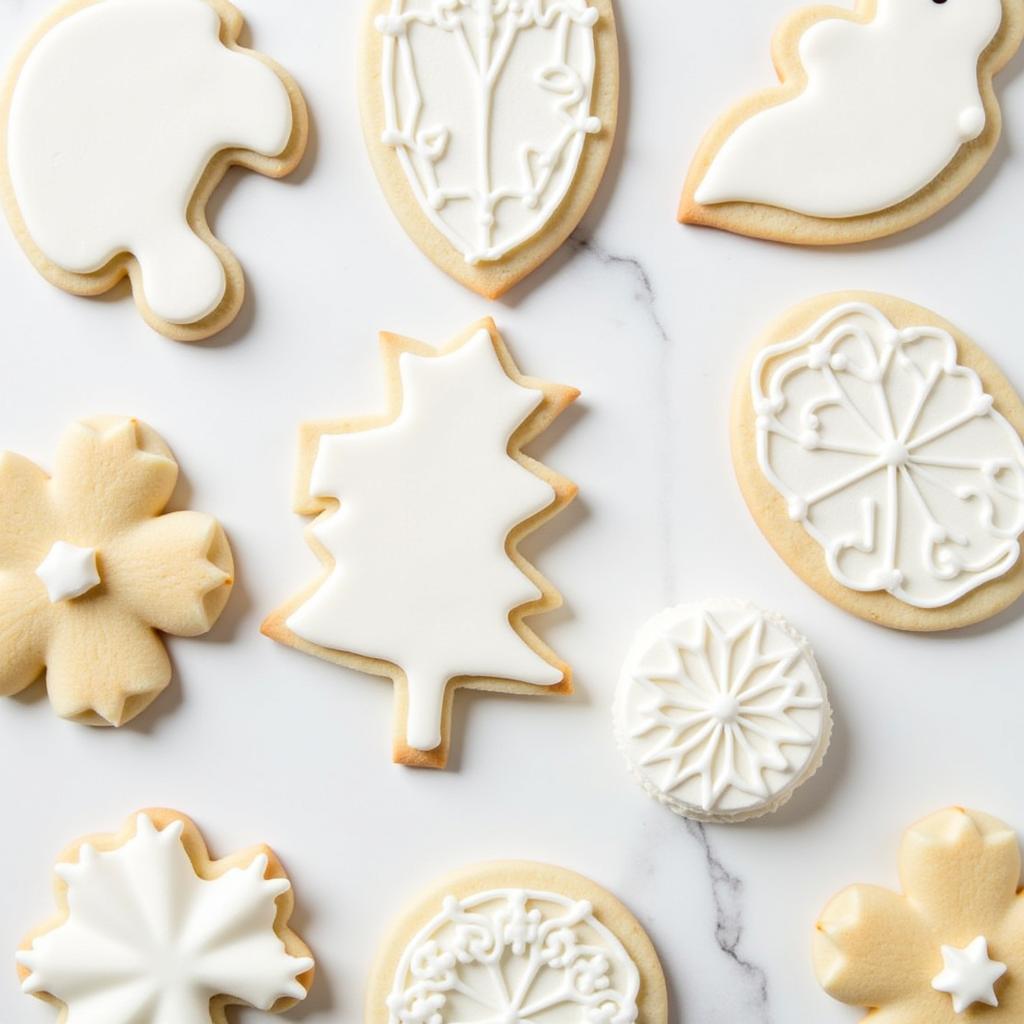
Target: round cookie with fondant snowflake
point(880, 451)
point(721, 711)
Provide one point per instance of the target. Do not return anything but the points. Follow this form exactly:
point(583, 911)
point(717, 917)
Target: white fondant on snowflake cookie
point(514, 942)
point(152, 929)
point(119, 119)
point(892, 454)
point(828, 157)
point(421, 513)
point(721, 711)
point(490, 123)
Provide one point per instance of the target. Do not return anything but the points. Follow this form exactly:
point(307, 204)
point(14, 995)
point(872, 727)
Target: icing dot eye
point(592, 125)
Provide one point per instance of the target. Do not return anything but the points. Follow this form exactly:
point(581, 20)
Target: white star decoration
point(68, 571)
point(969, 976)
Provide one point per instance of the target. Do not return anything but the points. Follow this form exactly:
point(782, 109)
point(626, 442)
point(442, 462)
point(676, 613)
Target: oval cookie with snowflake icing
point(880, 451)
point(151, 928)
point(721, 711)
point(118, 120)
point(517, 941)
point(489, 124)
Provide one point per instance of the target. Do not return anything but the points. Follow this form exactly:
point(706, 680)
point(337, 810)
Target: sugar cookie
point(420, 515)
point(951, 948)
point(489, 125)
point(880, 452)
point(151, 928)
point(117, 122)
point(885, 115)
point(721, 711)
point(517, 941)
point(91, 569)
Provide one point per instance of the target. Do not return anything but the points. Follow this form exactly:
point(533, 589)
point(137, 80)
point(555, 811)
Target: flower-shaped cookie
point(951, 948)
point(90, 569)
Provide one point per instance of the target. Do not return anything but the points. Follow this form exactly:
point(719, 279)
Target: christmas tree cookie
point(420, 513)
point(885, 115)
point(117, 122)
point(516, 941)
point(151, 928)
point(91, 568)
point(880, 451)
point(489, 124)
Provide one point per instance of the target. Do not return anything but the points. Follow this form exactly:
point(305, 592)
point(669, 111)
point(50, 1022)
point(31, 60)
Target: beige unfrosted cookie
point(150, 927)
point(118, 120)
point(420, 514)
point(90, 570)
point(880, 452)
point(885, 115)
point(951, 947)
point(489, 126)
point(721, 711)
point(516, 941)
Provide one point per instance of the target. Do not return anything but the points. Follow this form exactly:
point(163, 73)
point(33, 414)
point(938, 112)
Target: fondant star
point(970, 976)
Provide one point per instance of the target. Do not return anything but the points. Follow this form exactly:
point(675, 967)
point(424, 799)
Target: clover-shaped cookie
point(951, 948)
point(90, 569)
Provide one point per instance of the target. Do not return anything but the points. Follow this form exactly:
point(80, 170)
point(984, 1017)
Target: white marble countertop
point(650, 320)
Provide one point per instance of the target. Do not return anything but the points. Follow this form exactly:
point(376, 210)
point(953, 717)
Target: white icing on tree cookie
point(886, 107)
point(488, 106)
point(145, 938)
point(721, 710)
point(114, 117)
point(507, 956)
point(891, 455)
point(421, 576)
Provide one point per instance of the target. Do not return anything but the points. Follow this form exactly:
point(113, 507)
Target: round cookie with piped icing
point(118, 119)
point(517, 941)
point(880, 451)
point(721, 711)
point(829, 156)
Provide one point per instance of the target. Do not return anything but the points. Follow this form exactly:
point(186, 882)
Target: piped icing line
point(807, 151)
point(438, 494)
point(118, 121)
point(502, 155)
point(133, 903)
point(956, 473)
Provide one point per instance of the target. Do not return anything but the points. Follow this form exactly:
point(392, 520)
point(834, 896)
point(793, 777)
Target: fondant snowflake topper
point(891, 455)
point(152, 929)
point(91, 569)
point(421, 514)
point(950, 946)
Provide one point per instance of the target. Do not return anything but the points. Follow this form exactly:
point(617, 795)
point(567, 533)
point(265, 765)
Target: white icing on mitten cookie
point(114, 119)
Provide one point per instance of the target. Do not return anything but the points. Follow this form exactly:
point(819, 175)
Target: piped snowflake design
point(515, 957)
point(486, 37)
point(891, 455)
point(721, 709)
point(146, 938)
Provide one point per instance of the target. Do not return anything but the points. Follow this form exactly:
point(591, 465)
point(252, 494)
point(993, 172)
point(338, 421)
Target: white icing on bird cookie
point(886, 107)
point(114, 117)
point(891, 455)
point(721, 710)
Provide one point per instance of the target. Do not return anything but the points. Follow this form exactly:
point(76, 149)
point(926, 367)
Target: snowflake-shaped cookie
point(90, 569)
point(891, 455)
point(721, 710)
point(153, 930)
point(951, 947)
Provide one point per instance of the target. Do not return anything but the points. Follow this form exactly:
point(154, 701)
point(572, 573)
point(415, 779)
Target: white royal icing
point(969, 975)
point(488, 106)
point(422, 578)
point(114, 118)
point(721, 710)
point(146, 938)
point(510, 957)
point(68, 571)
point(891, 455)
point(886, 107)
